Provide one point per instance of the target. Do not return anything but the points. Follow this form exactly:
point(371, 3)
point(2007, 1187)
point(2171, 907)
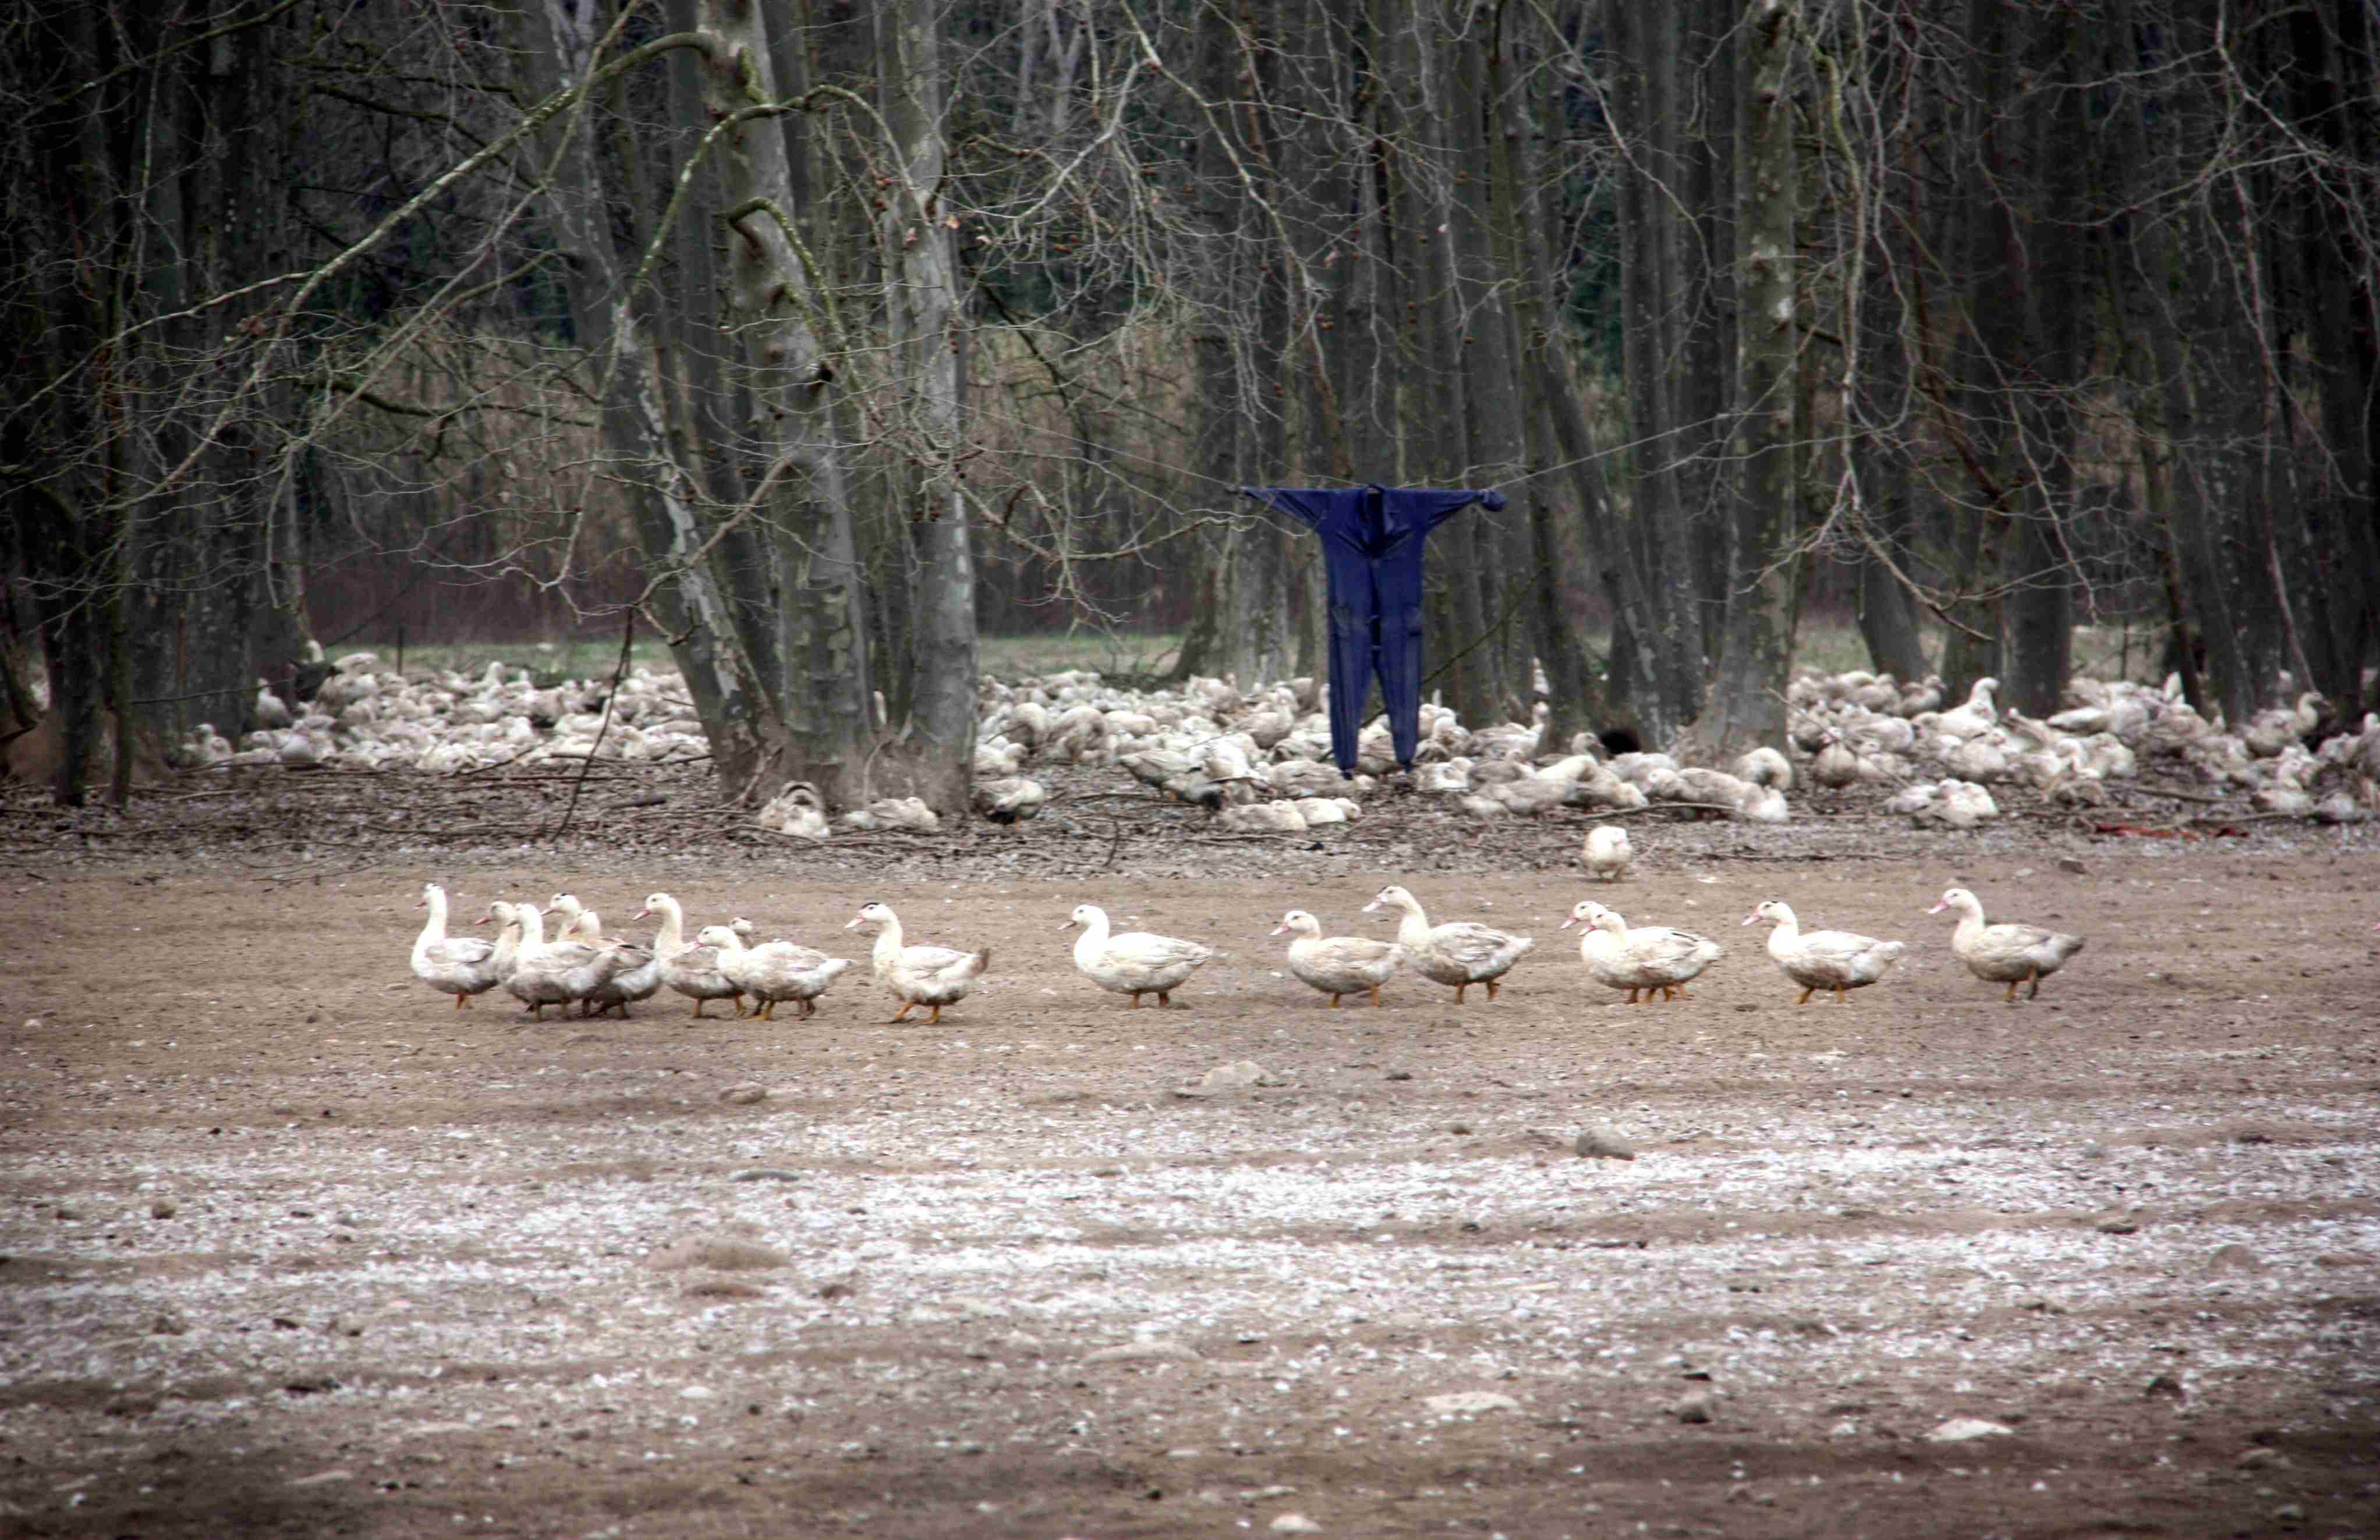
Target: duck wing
point(1475, 945)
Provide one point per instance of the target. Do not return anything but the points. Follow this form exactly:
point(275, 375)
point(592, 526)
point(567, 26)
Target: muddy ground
point(292, 1248)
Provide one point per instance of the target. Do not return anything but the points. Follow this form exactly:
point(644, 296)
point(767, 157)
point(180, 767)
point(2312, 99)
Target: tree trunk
point(1574, 699)
point(921, 301)
point(1654, 583)
point(783, 322)
point(1748, 704)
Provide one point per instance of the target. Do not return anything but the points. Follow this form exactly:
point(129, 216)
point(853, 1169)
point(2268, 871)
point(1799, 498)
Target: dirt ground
point(292, 1248)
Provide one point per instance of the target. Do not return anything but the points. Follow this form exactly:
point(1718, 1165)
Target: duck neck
point(670, 939)
point(532, 920)
point(508, 950)
point(433, 929)
point(888, 940)
point(1093, 941)
point(1413, 927)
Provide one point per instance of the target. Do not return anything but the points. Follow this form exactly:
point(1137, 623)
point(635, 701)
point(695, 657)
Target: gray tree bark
point(921, 304)
point(783, 318)
point(1748, 702)
point(1654, 587)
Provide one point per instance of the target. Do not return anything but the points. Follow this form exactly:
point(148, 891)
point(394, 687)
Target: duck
point(1135, 962)
point(2013, 953)
point(1262, 817)
point(1608, 851)
point(772, 971)
point(639, 976)
point(797, 810)
point(690, 969)
point(1338, 964)
point(933, 977)
point(1640, 959)
point(457, 965)
point(544, 975)
point(1836, 960)
point(1459, 954)
point(1011, 800)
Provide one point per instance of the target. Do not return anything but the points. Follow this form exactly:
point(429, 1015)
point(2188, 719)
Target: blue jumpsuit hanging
point(1371, 546)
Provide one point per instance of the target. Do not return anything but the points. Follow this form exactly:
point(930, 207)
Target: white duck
point(773, 970)
point(1639, 959)
point(546, 974)
point(932, 977)
point(639, 976)
point(1458, 953)
point(1836, 960)
point(1135, 962)
point(457, 965)
point(691, 970)
point(2012, 953)
point(1608, 851)
point(1338, 964)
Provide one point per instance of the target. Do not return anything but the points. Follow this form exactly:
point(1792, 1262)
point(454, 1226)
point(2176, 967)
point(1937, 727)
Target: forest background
point(822, 337)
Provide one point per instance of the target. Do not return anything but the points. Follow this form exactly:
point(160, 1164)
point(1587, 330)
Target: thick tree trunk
point(783, 322)
point(1654, 580)
point(1748, 703)
point(921, 303)
point(1574, 697)
point(731, 688)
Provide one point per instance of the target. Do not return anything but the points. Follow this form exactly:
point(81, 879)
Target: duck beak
point(1279, 928)
point(1938, 909)
point(1069, 925)
point(1754, 916)
point(1370, 907)
point(856, 921)
point(1568, 923)
point(640, 914)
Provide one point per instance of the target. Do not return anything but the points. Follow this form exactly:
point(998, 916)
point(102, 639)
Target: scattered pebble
point(745, 1094)
point(1959, 1430)
point(720, 1253)
point(1470, 1401)
point(1153, 1350)
point(1601, 1144)
point(1295, 1523)
point(723, 1288)
point(2163, 1385)
point(1229, 1077)
point(162, 1209)
point(1694, 1406)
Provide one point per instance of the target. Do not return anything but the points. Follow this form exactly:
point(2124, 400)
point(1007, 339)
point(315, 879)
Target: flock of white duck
point(1259, 759)
point(599, 974)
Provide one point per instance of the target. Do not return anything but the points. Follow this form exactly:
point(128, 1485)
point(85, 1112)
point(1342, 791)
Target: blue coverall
point(1371, 545)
